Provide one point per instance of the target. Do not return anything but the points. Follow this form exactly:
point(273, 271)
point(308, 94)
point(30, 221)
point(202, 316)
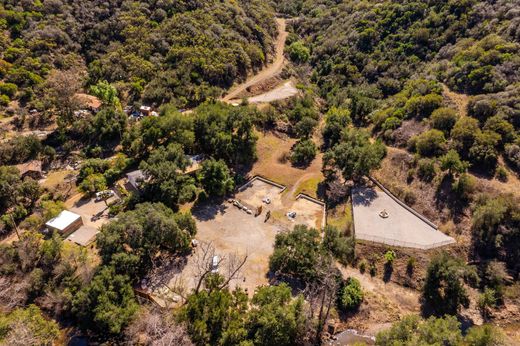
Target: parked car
point(214, 264)
point(267, 200)
point(291, 214)
point(101, 195)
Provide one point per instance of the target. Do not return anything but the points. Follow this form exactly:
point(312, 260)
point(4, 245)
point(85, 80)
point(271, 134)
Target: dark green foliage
point(496, 228)
point(131, 242)
point(226, 132)
point(341, 246)
point(355, 156)
point(452, 163)
point(107, 303)
point(216, 178)
point(336, 120)
point(275, 317)
point(21, 195)
point(484, 150)
point(27, 324)
point(464, 133)
point(296, 253)
point(464, 186)
point(20, 149)
point(159, 51)
point(303, 152)
point(216, 316)
point(350, 295)
point(165, 180)
point(426, 169)
point(443, 290)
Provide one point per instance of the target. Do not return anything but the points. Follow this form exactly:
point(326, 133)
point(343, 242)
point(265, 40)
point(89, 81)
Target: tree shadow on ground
point(363, 196)
point(208, 210)
point(388, 271)
point(446, 198)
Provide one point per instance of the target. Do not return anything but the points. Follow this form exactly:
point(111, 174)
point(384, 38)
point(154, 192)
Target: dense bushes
point(157, 51)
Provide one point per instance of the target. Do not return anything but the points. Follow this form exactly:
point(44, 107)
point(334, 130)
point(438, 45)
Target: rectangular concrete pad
point(401, 228)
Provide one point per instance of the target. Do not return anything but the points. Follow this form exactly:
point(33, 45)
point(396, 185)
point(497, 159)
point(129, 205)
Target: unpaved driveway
point(269, 71)
point(282, 92)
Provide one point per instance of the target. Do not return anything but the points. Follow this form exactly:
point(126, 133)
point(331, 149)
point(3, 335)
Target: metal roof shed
point(66, 222)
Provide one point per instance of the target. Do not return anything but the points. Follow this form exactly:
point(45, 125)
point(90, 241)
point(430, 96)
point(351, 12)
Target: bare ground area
point(271, 149)
point(268, 72)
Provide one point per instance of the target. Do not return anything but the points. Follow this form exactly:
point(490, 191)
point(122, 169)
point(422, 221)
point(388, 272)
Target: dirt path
point(269, 71)
point(460, 100)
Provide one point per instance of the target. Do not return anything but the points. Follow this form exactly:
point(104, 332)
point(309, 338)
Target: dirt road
point(269, 71)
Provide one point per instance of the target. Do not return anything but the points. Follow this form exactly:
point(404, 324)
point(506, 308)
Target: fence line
point(265, 180)
point(393, 242)
point(317, 201)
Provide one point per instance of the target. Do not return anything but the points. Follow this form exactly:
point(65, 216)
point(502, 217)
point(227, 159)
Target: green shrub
point(444, 119)
point(303, 152)
point(350, 295)
point(501, 174)
point(362, 266)
point(389, 256)
point(298, 52)
point(430, 143)
point(426, 169)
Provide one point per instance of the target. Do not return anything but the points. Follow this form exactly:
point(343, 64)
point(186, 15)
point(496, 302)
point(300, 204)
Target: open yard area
point(380, 218)
point(232, 232)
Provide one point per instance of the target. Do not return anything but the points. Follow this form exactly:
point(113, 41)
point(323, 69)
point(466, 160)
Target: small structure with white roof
point(65, 223)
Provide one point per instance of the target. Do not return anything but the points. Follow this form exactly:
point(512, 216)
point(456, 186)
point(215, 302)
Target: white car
point(104, 195)
point(267, 200)
point(214, 264)
point(291, 214)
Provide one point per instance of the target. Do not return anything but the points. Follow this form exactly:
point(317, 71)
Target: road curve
point(269, 71)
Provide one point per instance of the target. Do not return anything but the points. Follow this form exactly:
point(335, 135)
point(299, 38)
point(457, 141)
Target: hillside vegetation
point(156, 51)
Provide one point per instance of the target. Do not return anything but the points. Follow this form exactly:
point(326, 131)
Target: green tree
point(411, 330)
point(298, 52)
point(464, 133)
point(296, 253)
point(216, 178)
point(216, 316)
point(350, 295)
point(484, 150)
point(430, 143)
point(444, 119)
point(443, 290)
point(304, 152)
point(355, 156)
point(107, 93)
point(132, 242)
point(275, 317)
point(452, 163)
point(336, 120)
point(92, 184)
point(165, 180)
point(342, 247)
point(485, 335)
point(107, 303)
point(27, 325)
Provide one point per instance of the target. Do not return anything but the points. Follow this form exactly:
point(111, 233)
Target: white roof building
point(65, 221)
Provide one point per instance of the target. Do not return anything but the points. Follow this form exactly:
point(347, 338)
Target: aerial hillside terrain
point(248, 172)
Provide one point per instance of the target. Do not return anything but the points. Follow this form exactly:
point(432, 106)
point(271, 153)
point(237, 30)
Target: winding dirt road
point(269, 71)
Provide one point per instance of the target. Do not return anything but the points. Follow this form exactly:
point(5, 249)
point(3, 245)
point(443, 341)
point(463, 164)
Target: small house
point(145, 110)
point(31, 169)
point(65, 223)
point(135, 179)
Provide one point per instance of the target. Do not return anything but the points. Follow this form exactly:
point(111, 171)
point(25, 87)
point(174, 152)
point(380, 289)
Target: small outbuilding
point(31, 169)
point(65, 223)
point(135, 179)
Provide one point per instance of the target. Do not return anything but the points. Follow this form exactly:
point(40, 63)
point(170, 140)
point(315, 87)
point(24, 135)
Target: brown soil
point(460, 101)
point(268, 72)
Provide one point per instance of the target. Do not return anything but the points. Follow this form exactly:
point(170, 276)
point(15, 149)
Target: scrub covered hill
point(157, 51)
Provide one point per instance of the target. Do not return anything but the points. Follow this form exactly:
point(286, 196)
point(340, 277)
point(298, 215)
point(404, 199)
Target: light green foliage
point(350, 295)
point(27, 324)
point(92, 184)
point(107, 303)
point(132, 241)
point(452, 163)
point(51, 209)
point(298, 52)
point(107, 93)
point(444, 119)
point(464, 133)
point(16, 195)
point(464, 186)
point(303, 152)
point(355, 156)
point(429, 143)
point(443, 289)
point(390, 256)
point(216, 178)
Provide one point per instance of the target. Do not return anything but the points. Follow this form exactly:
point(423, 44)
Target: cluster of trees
point(17, 196)
point(159, 51)
point(412, 330)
